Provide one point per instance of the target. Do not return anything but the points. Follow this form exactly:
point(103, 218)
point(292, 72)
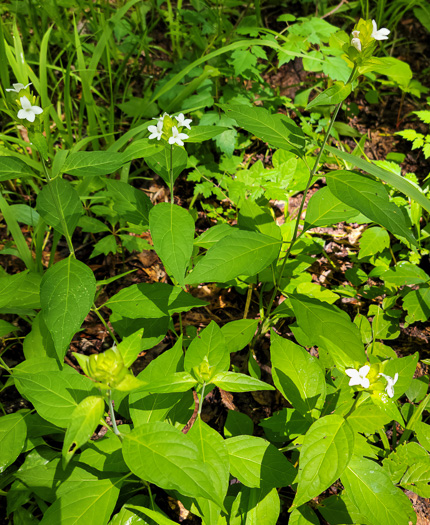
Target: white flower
point(161, 119)
point(358, 377)
point(18, 87)
point(356, 42)
point(28, 111)
point(177, 138)
point(379, 34)
point(182, 121)
point(156, 131)
point(390, 383)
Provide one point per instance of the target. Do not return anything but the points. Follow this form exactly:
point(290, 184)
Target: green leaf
point(14, 168)
point(324, 209)
point(323, 322)
point(66, 294)
point(234, 382)
point(213, 235)
point(253, 217)
point(140, 149)
point(326, 451)
point(92, 163)
point(373, 241)
point(400, 183)
point(239, 333)
point(333, 95)
point(177, 382)
point(242, 60)
point(19, 291)
point(303, 515)
point(405, 367)
point(215, 456)
point(88, 502)
point(172, 231)
point(130, 347)
point(54, 394)
point(417, 304)
point(387, 405)
point(298, 376)
point(404, 273)
point(201, 133)
point(6, 328)
point(154, 515)
point(241, 253)
point(131, 204)
point(277, 130)
point(371, 198)
point(257, 463)
point(59, 201)
point(207, 354)
point(84, 420)
point(256, 506)
point(13, 433)
point(38, 343)
point(154, 300)
point(423, 434)
point(162, 454)
point(238, 424)
point(373, 493)
point(368, 418)
point(160, 162)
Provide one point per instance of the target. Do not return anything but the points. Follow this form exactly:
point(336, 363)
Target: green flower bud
point(107, 368)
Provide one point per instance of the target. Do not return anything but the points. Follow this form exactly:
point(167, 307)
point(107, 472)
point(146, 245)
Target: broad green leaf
point(14, 168)
point(405, 367)
point(333, 95)
point(405, 273)
point(130, 348)
point(285, 425)
point(54, 394)
point(131, 204)
point(235, 382)
point(160, 162)
point(238, 424)
point(239, 333)
point(253, 217)
point(423, 434)
point(258, 464)
point(323, 322)
point(213, 235)
point(417, 304)
point(92, 163)
point(140, 149)
point(214, 453)
point(84, 420)
point(368, 418)
point(59, 204)
point(19, 291)
point(298, 376)
point(303, 515)
point(13, 433)
point(324, 209)
point(276, 129)
point(241, 253)
point(371, 198)
point(88, 502)
point(154, 515)
point(154, 329)
point(201, 133)
point(383, 325)
point(207, 354)
point(338, 510)
point(6, 328)
point(373, 493)
point(38, 343)
point(105, 454)
point(326, 451)
point(162, 454)
point(255, 506)
point(373, 241)
point(400, 183)
point(417, 478)
point(172, 231)
point(66, 294)
point(387, 405)
point(177, 382)
point(154, 300)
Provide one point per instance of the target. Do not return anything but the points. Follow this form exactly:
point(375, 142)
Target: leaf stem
point(171, 175)
point(112, 416)
point(202, 396)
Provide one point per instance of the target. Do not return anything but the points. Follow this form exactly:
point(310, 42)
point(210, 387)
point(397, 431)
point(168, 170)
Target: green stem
point(384, 440)
point(202, 396)
point(112, 416)
point(99, 315)
point(171, 174)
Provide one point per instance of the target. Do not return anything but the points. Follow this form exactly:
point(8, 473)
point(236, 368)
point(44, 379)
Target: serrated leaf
point(241, 253)
point(66, 295)
point(172, 231)
point(162, 454)
point(92, 163)
point(59, 201)
point(298, 376)
point(258, 464)
point(373, 493)
point(370, 198)
point(326, 451)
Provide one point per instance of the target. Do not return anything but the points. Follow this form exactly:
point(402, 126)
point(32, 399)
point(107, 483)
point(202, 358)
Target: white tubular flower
point(182, 121)
point(358, 377)
point(379, 34)
point(28, 111)
point(18, 87)
point(390, 383)
point(356, 42)
point(177, 138)
point(156, 131)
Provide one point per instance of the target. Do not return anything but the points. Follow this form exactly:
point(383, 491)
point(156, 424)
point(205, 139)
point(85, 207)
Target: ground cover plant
point(183, 341)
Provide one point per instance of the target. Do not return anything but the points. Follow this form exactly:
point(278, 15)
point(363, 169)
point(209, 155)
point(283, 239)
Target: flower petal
point(25, 103)
point(36, 110)
point(365, 383)
point(364, 370)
